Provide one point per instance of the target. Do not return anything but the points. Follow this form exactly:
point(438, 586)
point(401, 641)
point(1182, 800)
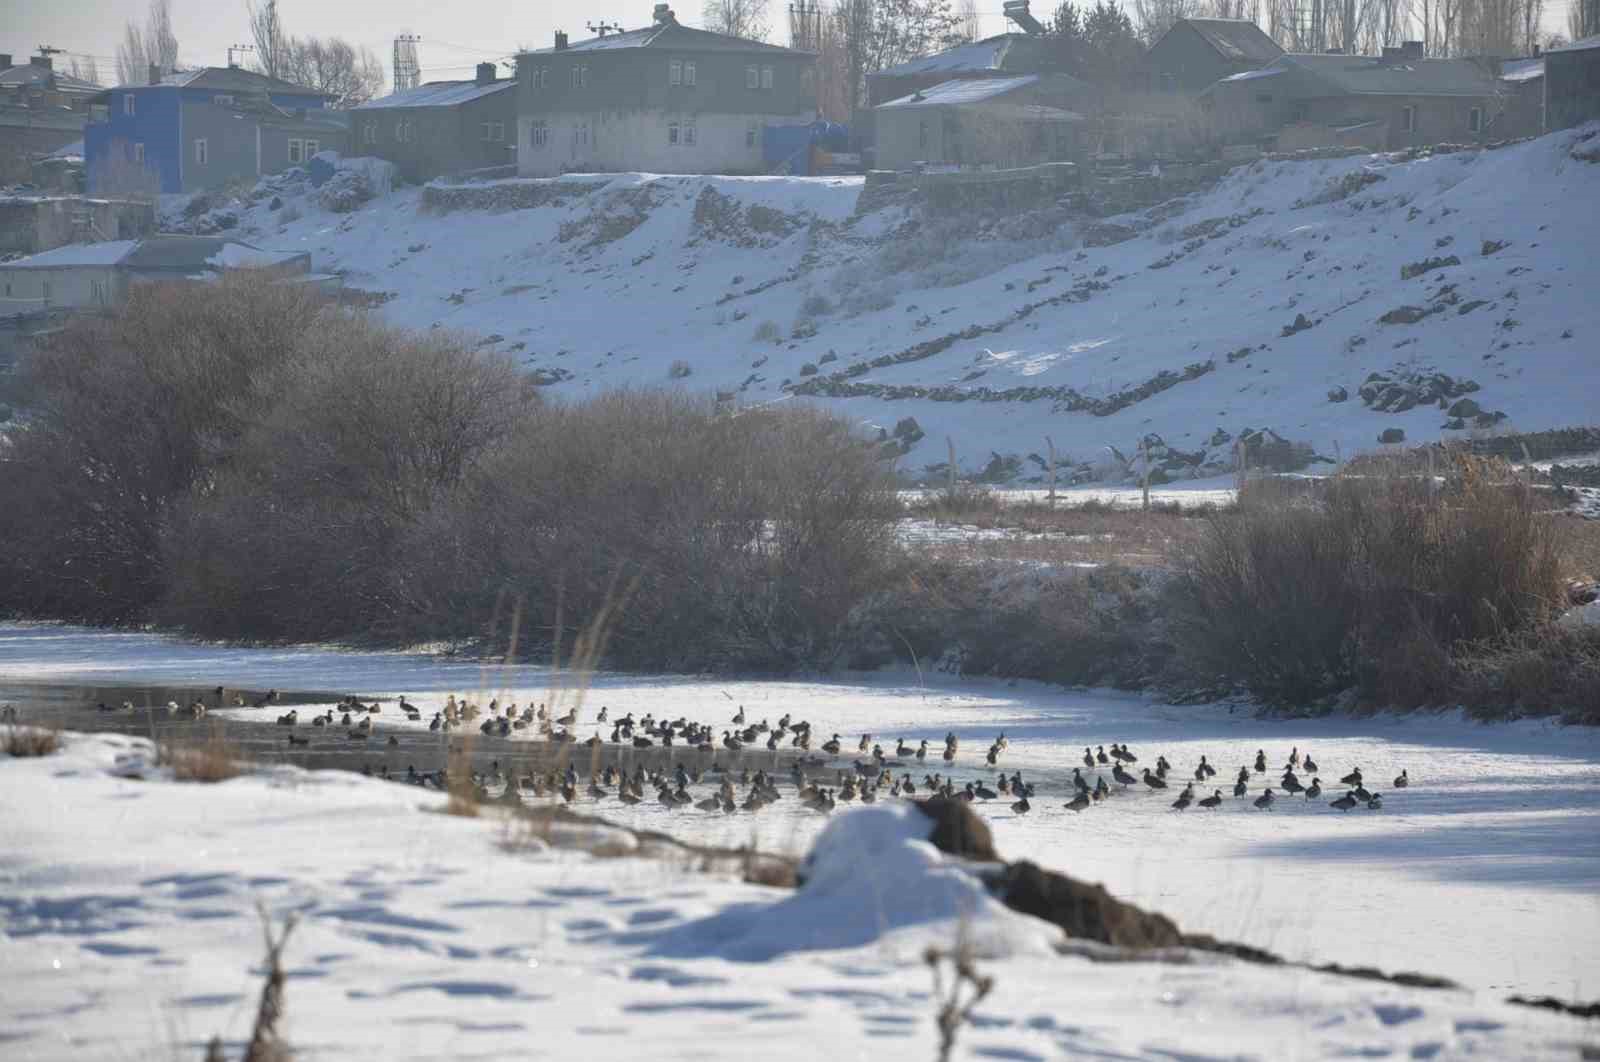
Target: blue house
point(199, 129)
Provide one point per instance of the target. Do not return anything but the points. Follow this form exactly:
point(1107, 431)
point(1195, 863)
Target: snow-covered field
point(1486, 870)
point(1222, 279)
point(130, 932)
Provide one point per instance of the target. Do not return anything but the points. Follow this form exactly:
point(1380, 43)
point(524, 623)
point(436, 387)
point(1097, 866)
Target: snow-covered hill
point(1465, 281)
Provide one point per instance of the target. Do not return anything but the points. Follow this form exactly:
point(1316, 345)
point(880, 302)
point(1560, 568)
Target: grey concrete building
point(244, 137)
point(1386, 103)
point(1001, 123)
point(1195, 52)
point(1572, 84)
point(441, 127)
point(663, 99)
point(41, 110)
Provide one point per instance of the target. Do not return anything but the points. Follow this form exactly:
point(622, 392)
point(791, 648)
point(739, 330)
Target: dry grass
point(1087, 534)
point(212, 758)
point(24, 741)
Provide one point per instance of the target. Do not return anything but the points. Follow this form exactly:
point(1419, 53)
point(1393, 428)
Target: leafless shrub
point(208, 759)
point(954, 1011)
point(1370, 584)
point(266, 1042)
point(679, 370)
point(768, 332)
point(25, 741)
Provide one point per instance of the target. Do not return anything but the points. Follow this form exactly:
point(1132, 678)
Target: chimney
point(3, 58)
point(663, 15)
point(1411, 49)
point(1391, 54)
point(155, 74)
point(5, 61)
point(561, 41)
point(42, 61)
point(485, 73)
point(1017, 11)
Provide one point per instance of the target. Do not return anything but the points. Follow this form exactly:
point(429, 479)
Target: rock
point(1392, 435)
point(276, 203)
point(1404, 315)
point(1338, 394)
point(1454, 424)
point(1087, 912)
point(958, 830)
point(1465, 407)
point(1492, 247)
point(808, 369)
point(908, 429)
point(1427, 265)
point(1301, 323)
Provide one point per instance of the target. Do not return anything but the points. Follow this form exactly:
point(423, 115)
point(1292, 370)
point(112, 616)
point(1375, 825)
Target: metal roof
point(75, 254)
point(990, 54)
point(437, 94)
point(29, 74)
point(237, 79)
point(164, 252)
point(1364, 76)
point(1521, 69)
point(963, 90)
point(1237, 40)
point(668, 35)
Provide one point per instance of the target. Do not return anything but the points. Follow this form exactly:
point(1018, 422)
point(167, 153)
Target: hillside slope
point(1268, 301)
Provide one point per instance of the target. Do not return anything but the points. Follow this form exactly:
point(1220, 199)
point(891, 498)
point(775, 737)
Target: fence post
point(1144, 471)
point(950, 445)
point(1239, 469)
point(1052, 447)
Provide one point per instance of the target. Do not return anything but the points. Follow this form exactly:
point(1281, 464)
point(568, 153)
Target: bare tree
point(349, 74)
point(1152, 18)
point(746, 19)
point(266, 31)
point(970, 26)
point(85, 68)
point(152, 45)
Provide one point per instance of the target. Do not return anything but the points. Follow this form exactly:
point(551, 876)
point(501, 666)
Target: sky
point(455, 35)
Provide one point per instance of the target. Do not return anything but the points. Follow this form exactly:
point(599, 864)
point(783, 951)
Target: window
point(672, 132)
point(675, 72)
point(766, 77)
point(688, 71)
point(1475, 120)
point(752, 77)
point(295, 149)
point(369, 133)
point(201, 154)
point(222, 101)
point(1408, 119)
point(1263, 97)
point(583, 76)
point(688, 134)
point(127, 103)
point(538, 133)
point(311, 148)
point(544, 76)
point(750, 135)
point(575, 76)
point(808, 79)
point(138, 153)
point(922, 133)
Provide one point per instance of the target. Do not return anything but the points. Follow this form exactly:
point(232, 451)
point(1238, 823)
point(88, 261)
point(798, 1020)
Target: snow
point(533, 276)
point(238, 256)
point(1492, 852)
point(108, 252)
point(971, 90)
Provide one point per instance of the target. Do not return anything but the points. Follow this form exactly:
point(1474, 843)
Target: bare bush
point(28, 741)
point(1372, 584)
point(211, 758)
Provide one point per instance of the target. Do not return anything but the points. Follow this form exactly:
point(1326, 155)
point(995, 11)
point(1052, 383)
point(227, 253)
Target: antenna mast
point(407, 70)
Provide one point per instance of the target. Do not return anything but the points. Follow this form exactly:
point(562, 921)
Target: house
point(1522, 96)
point(1572, 84)
point(40, 109)
point(1196, 52)
point(983, 122)
point(84, 276)
point(203, 128)
point(441, 127)
point(31, 222)
point(663, 99)
point(1397, 100)
point(1004, 56)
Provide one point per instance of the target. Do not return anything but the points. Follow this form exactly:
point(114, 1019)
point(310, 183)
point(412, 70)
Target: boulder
point(958, 830)
point(1086, 912)
point(1392, 435)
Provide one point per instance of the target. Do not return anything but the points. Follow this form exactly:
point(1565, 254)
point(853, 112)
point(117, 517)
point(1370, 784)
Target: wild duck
point(1314, 790)
point(296, 739)
point(1291, 784)
point(738, 717)
point(1100, 756)
point(1264, 801)
point(1152, 781)
point(289, 718)
point(1401, 780)
point(265, 699)
point(1361, 793)
point(1021, 807)
point(1101, 790)
point(1261, 761)
point(983, 792)
point(1344, 803)
point(1375, 801)
point(1309, 765)
point(1121, 776)
point(1088, 759)
point(831, 746)
point(922, 750)
point(1213, 801)
point(1078, 783)
point(1353, 778)
point(1078, 803)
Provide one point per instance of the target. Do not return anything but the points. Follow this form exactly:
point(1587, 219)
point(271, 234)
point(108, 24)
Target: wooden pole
point(950, 444)
point(1239, 466)
point(1052, 447)
point(1144, 471)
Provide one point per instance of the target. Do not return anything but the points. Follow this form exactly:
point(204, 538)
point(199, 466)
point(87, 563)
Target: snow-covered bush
point(345, 191)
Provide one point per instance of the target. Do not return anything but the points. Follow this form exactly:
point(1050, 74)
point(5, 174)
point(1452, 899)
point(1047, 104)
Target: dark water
point(73, 706)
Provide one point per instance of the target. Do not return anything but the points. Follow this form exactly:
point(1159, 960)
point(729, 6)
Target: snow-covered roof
point(976, 57)
point(28, 74)
point(1237, 40)
point(667, 35)
point(109, 252)
point(1583, 44)
point(438, 94)
point(1521, 69)
point(1363, 75)
point(1252, 75)
point(73, 150)
point(963, 91)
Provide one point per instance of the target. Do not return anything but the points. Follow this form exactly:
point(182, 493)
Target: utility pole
point(604, 28)
point(241, 49)
point(407, 70)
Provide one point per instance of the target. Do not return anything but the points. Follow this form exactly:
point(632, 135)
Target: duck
point(983, 792)
point(1121, 776)
point(1213, 801)
point(1353, 778)
point(1021, 807)
point(1078, 803)
point(831, 746)
point(1152, 781)
point(1078, 783)
point(1294, 756)
point(265, 699)
point(289, 718)
point(1261, 761)
point(1309, 764)
point(902, 750)
point(922, 750)
point(1088, 759)
point(1375, 801)
point(1185, 798)
point(738, 717)
point(1240, 788)
point(1291, 784)
point(296, 739)
point(1361, 793)
point(1264, 801)
point(1344, 803)
point(1100, 756)
point(1314, 790)
point(1401, 780)
point(1101, 790)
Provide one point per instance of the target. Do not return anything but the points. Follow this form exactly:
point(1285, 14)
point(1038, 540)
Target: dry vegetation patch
point(25, 741)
